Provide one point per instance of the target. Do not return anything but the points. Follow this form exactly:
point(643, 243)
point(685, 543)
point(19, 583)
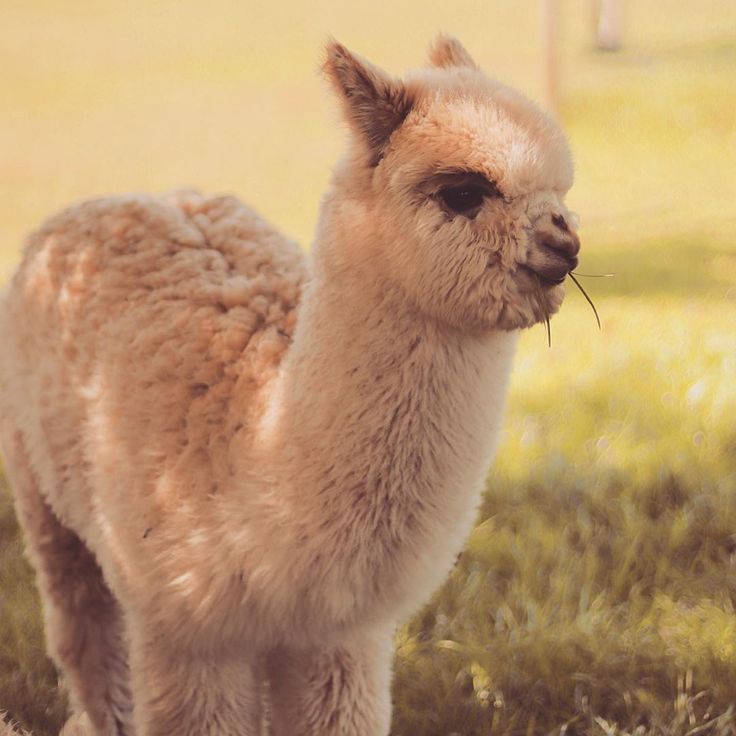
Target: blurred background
point(597, 592)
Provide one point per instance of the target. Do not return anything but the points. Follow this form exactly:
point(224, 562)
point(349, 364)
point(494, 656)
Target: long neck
point(379, 405)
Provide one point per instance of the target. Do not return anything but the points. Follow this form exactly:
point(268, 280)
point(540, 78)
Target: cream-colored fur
point(235, 465)
point(9, 729)
point(77, 725)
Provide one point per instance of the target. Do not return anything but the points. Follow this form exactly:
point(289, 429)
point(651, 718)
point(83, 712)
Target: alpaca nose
point(555, 248)
point(560, 237)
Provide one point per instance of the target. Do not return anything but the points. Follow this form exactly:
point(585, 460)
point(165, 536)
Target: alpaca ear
point(447, 51)
point(375, 103)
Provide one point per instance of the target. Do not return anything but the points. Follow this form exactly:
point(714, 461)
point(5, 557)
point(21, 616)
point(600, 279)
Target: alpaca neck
point(377, 401)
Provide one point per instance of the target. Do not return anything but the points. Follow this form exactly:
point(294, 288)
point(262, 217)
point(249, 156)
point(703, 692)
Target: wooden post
point(609, 24)
point(550, 65)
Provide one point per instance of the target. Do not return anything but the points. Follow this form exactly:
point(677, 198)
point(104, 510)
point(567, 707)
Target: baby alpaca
point(235, 465)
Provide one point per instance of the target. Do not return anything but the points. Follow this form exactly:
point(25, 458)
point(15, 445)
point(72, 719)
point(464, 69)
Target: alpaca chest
point(386, 460)
point(387, 538)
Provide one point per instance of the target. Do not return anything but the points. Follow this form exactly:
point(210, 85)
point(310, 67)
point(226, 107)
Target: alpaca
point(238, 467)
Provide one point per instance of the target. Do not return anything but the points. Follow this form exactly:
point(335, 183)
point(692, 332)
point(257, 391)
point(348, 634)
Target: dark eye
point(464, 200)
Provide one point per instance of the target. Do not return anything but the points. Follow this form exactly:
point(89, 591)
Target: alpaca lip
point(554, 268)
point(551, 282)
point(548, 278)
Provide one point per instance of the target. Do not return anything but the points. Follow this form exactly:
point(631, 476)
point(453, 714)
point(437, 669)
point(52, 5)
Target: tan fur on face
point(468, 271)
point(235, 465)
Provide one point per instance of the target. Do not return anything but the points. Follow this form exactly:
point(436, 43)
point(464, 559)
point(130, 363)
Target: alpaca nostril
point(560, 222)
point(563, 238)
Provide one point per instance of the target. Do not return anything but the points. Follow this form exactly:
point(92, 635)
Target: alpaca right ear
point(374, 103)
point(447, 51)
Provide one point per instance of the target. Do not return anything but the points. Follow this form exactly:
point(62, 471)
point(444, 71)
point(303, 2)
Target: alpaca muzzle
point(554, 249)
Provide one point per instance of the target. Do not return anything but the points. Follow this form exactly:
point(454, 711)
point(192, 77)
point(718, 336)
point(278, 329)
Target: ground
point(598, 588)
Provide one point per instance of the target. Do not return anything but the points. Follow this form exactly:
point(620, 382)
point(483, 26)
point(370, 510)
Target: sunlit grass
point(598, 588)
point(602, 572)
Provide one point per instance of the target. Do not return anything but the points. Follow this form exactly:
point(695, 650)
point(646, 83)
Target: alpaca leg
point(188, 694)
point(83, 623)
point(344, 691)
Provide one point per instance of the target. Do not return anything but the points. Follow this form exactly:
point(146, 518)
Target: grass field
point(597, 592)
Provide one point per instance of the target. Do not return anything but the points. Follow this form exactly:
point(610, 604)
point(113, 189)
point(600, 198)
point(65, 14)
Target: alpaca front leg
point(342, 691)
point(188, 694)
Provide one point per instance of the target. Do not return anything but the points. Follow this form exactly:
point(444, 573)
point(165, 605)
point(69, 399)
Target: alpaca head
point(452, 191)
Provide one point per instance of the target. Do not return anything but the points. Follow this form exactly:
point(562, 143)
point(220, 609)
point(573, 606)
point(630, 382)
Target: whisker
point(594, 275)
point(590, 301)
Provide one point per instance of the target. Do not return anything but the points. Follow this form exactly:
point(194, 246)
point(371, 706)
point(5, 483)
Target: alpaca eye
point(464, 200)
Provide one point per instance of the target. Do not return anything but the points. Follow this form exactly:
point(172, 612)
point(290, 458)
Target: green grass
point(601, 576)
point(28, 682)
point(597, 593)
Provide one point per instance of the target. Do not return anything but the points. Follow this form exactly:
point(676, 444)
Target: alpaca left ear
point(375, 104)
point(447, 51)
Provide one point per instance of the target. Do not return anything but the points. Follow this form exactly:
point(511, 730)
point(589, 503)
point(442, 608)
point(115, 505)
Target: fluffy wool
point(78, 725)
point(238, 468)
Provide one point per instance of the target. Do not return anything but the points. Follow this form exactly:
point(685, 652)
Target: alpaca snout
point(554, 248)
point(555, 234)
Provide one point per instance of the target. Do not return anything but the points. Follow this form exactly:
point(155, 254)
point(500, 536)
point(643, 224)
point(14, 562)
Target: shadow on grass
point(707, 51)
point(577, 606)
point(679, 266)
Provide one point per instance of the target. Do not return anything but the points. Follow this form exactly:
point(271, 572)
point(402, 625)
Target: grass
point(601, 577)
point(28, 682)
point(596, 595)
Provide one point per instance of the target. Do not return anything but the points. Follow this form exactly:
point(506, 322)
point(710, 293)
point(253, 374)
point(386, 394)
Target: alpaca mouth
point(555, 268)
point(548, 281)
point(541, 279)
point(546, 278)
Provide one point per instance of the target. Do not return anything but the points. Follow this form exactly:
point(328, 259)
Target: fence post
point(609, 24)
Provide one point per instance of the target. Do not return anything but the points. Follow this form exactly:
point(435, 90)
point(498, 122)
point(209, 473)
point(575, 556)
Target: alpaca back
point(127, 327)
